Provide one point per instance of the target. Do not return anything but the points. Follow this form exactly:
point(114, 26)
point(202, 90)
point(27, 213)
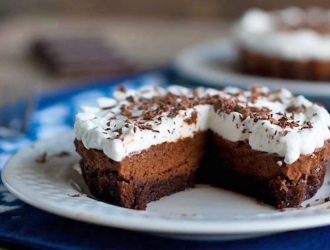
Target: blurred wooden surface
point(148, 42)
point(207, 9)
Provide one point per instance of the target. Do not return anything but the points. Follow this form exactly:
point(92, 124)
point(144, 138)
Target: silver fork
point(17, 102)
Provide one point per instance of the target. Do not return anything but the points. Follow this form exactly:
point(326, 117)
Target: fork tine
point(17, 105)
point(32, 103)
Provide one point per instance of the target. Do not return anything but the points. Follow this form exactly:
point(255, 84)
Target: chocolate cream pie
point(290, 43)
point(151, 142)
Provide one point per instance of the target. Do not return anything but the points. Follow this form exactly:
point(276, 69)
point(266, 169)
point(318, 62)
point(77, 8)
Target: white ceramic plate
point(200, 213)
point(213, 63)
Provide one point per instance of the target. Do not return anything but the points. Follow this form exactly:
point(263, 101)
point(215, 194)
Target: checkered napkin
point(21, 224)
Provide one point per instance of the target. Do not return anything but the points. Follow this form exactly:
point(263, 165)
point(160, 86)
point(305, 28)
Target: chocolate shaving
point(74, 195)
point(308, 125)
point(119, 131)
point(125, 111)
point(147, 127)
point(77, 195)
point(293, 109)
point(42, 158)
point(192, 119)
point(62, 154)
point(121, 88)
point(173, 113)
point(105, 108)
point(130, 99)
point(113, 118)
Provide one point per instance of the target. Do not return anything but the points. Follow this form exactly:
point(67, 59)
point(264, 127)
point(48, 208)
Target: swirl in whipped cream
point(257, 31)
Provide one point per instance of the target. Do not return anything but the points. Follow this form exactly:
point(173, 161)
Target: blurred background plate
point(213, 63)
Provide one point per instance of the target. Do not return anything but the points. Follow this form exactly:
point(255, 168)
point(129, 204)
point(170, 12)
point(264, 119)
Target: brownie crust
point(110, 187)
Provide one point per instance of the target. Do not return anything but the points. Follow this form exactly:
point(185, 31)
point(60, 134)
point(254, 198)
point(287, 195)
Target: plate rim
point(186, 61)
point(163, 225)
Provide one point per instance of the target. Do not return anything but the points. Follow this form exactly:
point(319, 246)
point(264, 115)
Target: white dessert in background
point(290, 43)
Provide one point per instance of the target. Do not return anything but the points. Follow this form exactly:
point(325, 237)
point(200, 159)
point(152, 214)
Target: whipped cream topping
point(257, 31)
point(134, 120)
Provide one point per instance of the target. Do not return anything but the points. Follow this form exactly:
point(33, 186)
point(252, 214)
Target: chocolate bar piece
point(80, 57)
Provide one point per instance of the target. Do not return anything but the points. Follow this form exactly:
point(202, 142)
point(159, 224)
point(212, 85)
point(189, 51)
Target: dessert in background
point(291, 43)
point(80, 57)
point(151, 142)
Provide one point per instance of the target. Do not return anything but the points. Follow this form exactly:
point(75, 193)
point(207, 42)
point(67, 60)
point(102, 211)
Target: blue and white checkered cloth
point(24, 225)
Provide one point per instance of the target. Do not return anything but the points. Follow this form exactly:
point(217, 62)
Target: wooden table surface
point(149, 42)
